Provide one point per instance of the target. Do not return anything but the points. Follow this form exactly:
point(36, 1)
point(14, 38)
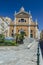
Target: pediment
point(22, 14)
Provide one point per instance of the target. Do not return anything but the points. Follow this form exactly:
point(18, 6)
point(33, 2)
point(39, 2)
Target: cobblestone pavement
point(20, 55)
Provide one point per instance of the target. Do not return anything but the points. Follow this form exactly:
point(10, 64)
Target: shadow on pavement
point(41, 46)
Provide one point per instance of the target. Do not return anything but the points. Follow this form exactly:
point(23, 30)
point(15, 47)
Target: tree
point(2, 38)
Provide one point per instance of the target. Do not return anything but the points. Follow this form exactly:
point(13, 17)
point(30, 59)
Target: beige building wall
point(11, 28)
point(29, 27)
point(25, 28)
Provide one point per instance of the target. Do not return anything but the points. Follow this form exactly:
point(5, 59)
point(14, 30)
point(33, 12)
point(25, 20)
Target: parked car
point(9, 38)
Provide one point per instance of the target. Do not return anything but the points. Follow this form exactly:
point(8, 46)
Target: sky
point(8, 8)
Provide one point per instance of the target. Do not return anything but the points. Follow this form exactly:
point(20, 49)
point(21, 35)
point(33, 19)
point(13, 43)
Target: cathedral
point(22, 22)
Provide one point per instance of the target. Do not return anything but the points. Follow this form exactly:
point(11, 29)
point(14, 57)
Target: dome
point(22, 9)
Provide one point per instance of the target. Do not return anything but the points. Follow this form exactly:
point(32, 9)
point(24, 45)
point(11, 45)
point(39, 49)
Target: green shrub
point(19, 38)
point(10, 43)
point(2, 38)
point(23, 33)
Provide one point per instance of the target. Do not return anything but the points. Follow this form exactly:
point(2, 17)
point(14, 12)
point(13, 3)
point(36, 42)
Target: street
point(20, 55)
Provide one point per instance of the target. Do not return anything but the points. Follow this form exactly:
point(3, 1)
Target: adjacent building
point(4, 26)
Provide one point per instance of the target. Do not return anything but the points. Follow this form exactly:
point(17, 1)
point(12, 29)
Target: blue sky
point(8, 7)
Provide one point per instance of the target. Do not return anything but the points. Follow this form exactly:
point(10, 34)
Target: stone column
point(15, 23)
point(29, 27)
point(36, 29)
point(37, 32)
point(30, 19)
point(8, 30)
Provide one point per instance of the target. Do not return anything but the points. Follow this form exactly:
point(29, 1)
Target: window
point(18, 30)
point(22, 20)
point(12, 30)
point(25, 20)
point(19, 20)
point(31, 35)
point(12, 34)
point(31, 31)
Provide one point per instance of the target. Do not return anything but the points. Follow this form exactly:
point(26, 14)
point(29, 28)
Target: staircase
point(28, 41)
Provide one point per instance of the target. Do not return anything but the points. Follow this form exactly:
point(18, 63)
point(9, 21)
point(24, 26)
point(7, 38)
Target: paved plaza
point(20, 55)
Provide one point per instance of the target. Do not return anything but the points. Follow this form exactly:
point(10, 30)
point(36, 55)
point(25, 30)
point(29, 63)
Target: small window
point(12, 30)
point(22, 20)
point(18, 30)
point(25, 20)
point(12, 34)
point(31, 31)
point(19, 20)
point(31, 35)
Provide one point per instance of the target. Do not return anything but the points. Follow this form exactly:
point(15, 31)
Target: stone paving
point(20, 55)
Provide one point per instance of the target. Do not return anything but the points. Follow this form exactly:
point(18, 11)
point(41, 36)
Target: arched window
point(22, 20)
point(31, 31)
point(12, 33)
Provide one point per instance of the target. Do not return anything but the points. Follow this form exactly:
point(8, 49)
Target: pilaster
point(36, 29)
point(8, 30)
point(29, 27)
point(15, 25)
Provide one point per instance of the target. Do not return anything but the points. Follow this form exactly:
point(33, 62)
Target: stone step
point(28, 40)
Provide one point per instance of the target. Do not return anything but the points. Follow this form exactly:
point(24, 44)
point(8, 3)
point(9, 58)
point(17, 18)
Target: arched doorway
point(31, 35)
point(12, 33)
point(21, 31)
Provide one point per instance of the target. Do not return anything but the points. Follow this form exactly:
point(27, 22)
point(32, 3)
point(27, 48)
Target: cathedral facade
point(22, 22)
